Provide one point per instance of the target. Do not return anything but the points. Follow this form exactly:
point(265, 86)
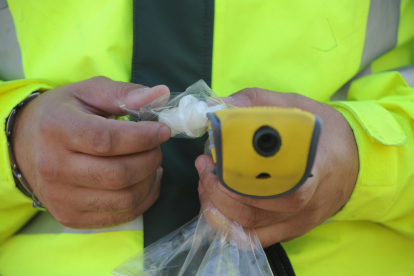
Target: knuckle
point(91, 84)
point(297, 202)
point(107, 206)
point(253, 94)
point(147, 141)
point(121, 89)
point(315, 206)
point(102, 141)
point(248, 223)
point(117, 176)
point(128, 202)
point(46, 168)
point(294, 208)
point(247, 217)
point(257, 96)
point(149, 138)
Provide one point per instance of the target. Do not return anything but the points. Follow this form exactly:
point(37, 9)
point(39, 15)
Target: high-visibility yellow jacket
point(356, 55)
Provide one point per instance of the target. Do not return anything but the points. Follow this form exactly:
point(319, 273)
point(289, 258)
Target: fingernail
point(240, 100)
point(164, 133)
point(135, 95)
point(200, 164)
point(229, 99)
point(146, 90)
point(160, 172)
point(200, 188)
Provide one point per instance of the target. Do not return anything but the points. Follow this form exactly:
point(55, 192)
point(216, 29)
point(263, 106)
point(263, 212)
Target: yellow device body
point(237, 143)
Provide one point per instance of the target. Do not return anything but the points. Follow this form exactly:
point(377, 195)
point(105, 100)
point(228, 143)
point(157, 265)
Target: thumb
point(208, 181)
point(107, 95)
point(262, 97)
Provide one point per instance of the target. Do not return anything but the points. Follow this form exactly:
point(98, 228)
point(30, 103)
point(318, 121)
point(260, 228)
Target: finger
point(96, 135)
point(93, 219)
point(116, 201)
point(268, 235)
point(217, 220)
point(108, 220)
point(104, 94)
point(113, 173)
point(206, 207)
point(274, 233)
point(288, 230)
point(281, 230)
point(246, 215)
point(290, 203)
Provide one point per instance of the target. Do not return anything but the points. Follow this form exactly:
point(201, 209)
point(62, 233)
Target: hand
point(282, 219)
point(90, 171)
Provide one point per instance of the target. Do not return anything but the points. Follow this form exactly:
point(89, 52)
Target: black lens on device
point(266, 141)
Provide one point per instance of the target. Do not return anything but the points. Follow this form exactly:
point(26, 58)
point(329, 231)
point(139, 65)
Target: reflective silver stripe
point(44, 223)
point(382, 29)
point(408, 74)
point(381, 35)
point(10, 55)
point(342, 93)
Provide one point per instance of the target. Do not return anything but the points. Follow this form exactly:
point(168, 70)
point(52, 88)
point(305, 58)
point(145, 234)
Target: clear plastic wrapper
point(185, 113)
point(198, 249)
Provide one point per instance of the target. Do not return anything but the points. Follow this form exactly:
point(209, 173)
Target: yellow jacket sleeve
point(15, 207)
point(380, 110)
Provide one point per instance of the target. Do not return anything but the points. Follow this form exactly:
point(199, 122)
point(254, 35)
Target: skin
point(89, 170)
point(282, 219)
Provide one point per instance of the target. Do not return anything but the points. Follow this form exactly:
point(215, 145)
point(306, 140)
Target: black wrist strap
point(21, 182)
point(279, 261)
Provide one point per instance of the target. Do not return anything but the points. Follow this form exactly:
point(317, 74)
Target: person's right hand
point(90, 171)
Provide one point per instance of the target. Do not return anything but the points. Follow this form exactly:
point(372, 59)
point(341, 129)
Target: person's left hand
point(285, 218)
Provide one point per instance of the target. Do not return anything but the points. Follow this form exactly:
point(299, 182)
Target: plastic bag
point(185, 113)
point(196, 249)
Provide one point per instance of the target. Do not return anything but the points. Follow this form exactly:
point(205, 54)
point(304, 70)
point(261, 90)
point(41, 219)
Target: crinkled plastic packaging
point(185, 113)
point(195, 248)
point(198, 249)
